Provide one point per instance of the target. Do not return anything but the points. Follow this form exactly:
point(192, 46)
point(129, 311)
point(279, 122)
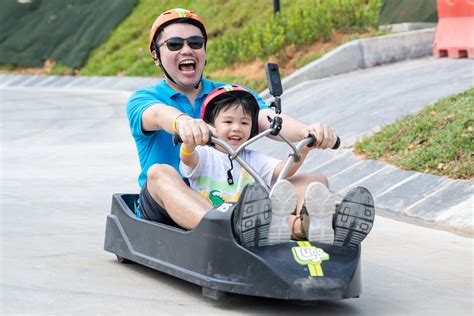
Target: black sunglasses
point(176, 43)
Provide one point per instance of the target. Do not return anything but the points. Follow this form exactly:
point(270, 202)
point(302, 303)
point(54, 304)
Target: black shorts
point(150, 210)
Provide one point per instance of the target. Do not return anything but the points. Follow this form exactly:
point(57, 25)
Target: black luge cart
point(210, 257)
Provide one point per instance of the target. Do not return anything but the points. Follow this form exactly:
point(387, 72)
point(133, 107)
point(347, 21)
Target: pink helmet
point(229, 91)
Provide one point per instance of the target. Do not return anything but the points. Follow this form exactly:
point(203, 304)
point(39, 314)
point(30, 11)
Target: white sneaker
point(320, 204)
point(284, 200)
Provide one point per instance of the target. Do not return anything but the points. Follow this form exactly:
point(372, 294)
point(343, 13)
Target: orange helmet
point(174, 16)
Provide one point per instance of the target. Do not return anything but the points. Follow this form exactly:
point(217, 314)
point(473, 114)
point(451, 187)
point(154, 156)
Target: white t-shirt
point(209, 177)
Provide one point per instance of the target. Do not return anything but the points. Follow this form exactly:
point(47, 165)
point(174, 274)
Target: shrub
point(299, 24)
point(240, 31)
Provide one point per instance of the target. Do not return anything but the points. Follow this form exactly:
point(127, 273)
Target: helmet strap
point(164, 70)
point(167, 75)
point(197, 84)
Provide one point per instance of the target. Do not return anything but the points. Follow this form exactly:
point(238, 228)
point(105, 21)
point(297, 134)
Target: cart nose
point(319, 288)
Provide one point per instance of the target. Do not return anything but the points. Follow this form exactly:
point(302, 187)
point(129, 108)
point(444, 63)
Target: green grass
point(239, 31)
point(126, 49)
point(59, 69)
point(438, 140)
point(6, 68)
point(304, 60)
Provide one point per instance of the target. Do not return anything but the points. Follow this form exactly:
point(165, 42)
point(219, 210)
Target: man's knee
point(162, 178)
point(161, 172)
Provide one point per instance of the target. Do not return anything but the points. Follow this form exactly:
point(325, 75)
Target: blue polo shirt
point(157, 146)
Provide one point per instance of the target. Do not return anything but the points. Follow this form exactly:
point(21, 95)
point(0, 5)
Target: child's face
point(233, 126)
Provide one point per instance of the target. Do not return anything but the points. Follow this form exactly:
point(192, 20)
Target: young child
point(233, 112)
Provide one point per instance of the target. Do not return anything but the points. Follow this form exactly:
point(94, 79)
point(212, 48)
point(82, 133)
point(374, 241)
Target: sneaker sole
point(284, 200)
point(320, 204)
point(354, 218)
point(256, 215)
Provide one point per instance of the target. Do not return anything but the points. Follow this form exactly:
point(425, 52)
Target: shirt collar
point(170, 92)
point(207, 87)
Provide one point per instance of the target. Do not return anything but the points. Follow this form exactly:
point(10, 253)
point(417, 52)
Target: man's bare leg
point(185, 206)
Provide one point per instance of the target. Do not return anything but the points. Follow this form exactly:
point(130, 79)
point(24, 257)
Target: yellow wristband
point(186, 153)
point(174, 121)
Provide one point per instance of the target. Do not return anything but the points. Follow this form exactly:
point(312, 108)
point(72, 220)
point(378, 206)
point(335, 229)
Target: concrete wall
point(364, 53)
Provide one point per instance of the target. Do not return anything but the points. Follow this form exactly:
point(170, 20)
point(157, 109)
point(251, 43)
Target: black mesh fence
point(401, 11)
point(66, 31)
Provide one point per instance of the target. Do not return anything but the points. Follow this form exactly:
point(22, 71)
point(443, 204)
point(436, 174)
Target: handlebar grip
point(313, 141)
point(337, 144)
point(177, 139)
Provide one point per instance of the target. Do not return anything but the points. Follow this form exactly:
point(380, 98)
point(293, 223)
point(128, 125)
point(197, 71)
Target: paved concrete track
point(63, 155)
point(359, 103)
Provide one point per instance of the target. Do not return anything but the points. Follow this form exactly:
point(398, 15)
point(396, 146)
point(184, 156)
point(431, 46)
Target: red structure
point(454, 35)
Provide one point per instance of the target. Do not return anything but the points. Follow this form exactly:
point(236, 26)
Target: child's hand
point(325, 135)
point(188, 155)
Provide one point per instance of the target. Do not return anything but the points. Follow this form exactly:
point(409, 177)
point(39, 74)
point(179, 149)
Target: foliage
point(300, 62)
point(59, 69)
point(439, 139)
point(237, 33)
point(6, 68)
point(299, 24)
point(126, 52)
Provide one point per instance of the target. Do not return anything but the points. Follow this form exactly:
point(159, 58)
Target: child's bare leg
point(301, 182)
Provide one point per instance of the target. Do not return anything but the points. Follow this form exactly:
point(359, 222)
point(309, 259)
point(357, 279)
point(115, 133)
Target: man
point(177, 43)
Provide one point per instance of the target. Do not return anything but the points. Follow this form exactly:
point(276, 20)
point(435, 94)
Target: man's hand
point(193, 131)
point(325, 135)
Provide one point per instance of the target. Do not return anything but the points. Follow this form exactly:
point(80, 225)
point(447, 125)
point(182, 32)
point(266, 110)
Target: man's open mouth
point(187, 65)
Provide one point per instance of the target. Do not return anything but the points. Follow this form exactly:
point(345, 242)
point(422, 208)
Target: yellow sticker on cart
point(307, 254)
